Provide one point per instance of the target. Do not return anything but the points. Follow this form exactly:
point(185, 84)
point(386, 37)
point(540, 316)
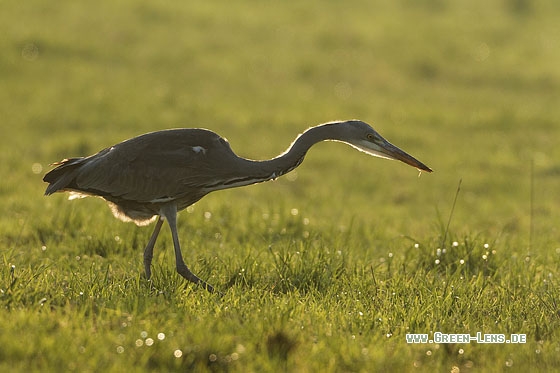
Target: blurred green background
point(471, 88)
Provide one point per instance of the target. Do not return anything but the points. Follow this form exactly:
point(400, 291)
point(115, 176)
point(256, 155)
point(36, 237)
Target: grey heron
point(155, 175)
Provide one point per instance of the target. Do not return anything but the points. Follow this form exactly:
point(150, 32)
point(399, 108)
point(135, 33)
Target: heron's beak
point(392, 152)
point(384, 149)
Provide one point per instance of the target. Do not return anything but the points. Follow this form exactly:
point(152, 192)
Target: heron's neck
point(250, 172)
point(295, 154)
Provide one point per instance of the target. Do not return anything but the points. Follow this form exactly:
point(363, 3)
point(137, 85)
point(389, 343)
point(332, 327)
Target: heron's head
point(361, 136)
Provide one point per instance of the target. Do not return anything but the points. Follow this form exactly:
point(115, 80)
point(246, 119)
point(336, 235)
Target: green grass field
point(328, 268)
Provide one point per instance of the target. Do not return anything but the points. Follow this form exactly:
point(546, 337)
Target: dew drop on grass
point(177, 353)
point(462, 261)
point(437, 261)
point(143, 334)
point(30, 52)
point(161, 336)
point(461, 351)
point(455, 244)
point(294, 212)
point(212, 357)
point(429, 352)
point(139, 342)
point(36, 168)
point(416, 246)
point(43, 248)
point(482, 52)
point(149, 342)
point(509, 363)
point(120, 349)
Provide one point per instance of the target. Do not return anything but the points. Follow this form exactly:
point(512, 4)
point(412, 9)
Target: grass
point(328, 268)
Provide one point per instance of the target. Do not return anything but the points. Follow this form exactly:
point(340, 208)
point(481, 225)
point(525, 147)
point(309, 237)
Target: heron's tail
point(62, 176)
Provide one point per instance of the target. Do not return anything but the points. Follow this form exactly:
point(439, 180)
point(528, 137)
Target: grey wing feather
point(63, 175)
point(142, 173)
point(158, 166)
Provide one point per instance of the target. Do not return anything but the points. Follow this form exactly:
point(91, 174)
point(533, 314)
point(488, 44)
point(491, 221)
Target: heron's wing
point(157, 167)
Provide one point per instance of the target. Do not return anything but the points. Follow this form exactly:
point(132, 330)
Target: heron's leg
point(149, 250)
point(170, 213)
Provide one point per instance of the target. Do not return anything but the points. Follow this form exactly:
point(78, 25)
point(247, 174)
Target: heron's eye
point(370, 136)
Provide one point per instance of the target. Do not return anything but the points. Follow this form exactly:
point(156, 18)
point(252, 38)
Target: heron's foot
point(187, 274)
point(148, 269)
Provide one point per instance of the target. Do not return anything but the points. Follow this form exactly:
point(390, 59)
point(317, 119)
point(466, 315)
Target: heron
point(153, 176)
